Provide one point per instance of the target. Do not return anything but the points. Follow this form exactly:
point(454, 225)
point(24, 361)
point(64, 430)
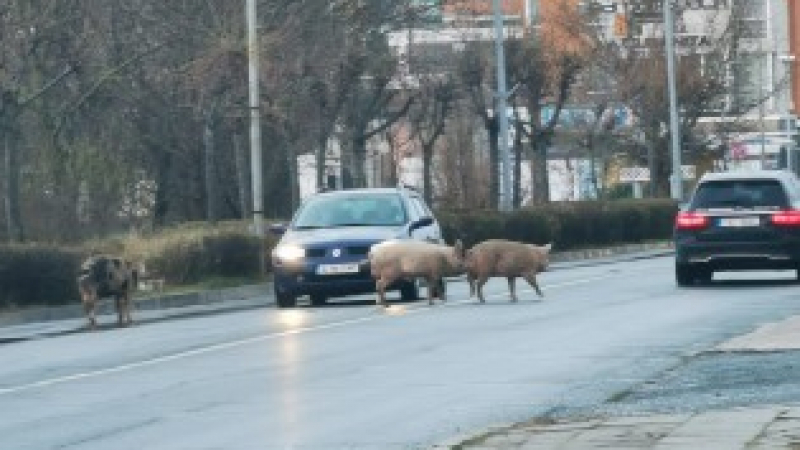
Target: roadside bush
point(46, 274)
point(569, 225)
point(38, 275)
point(192, 253)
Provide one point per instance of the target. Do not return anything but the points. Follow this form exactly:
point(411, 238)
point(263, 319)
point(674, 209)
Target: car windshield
point(351, 210)
point(740, 194)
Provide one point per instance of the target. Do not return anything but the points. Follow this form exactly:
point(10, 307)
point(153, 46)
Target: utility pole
point(501, 108)
point(676, 179)
point(255, 119)
point(531, 12)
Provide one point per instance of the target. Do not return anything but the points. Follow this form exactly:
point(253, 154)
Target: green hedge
point(569, 225)
point(46, 274)
point(38, 275)
point(189, 255)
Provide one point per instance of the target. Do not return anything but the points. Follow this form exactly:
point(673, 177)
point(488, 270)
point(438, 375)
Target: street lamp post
point(676, 179)
point(501, 109)
point(255, 118)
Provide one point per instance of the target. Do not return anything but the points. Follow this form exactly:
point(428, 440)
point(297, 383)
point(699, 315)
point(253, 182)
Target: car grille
point(315, 252)
point(358, 250)
point(354, 250)
point(361, 276)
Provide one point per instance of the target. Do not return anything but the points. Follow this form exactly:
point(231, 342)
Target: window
point(740, 194)
point(351, 210)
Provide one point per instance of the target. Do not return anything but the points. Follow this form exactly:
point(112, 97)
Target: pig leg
point(433, 283)
point(530, 277)
point(512, 288)
point(471, 281)
point(441, 289)
point(479, 287)
point(381, 286)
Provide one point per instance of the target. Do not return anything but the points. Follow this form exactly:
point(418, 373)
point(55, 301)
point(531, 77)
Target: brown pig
point(503, 258)
point(394, 260)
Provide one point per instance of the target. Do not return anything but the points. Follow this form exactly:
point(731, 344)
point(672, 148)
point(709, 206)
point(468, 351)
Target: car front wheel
point(318, 300)
point(409, 291)
point(284, 300)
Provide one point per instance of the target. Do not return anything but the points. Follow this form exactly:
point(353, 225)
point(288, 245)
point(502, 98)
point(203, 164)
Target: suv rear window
point(740, 194)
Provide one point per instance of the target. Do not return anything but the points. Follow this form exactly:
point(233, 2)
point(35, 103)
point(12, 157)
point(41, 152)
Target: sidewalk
point(44, 322)
point(756, 428)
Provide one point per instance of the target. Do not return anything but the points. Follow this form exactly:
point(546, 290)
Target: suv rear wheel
point(684, 275)
point(703, 275)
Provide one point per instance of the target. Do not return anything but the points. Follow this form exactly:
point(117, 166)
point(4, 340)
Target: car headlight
point(289, 252)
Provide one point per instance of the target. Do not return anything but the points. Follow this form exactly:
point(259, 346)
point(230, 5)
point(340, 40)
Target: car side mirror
point(424, 222)
point(277, 228)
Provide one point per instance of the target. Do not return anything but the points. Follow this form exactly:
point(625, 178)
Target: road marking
point(247, 341)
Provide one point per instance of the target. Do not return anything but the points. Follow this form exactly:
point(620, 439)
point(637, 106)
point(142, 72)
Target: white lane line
point(242, 342)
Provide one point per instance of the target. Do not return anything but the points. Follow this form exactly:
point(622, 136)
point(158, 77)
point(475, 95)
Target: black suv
point(322, 251)
point(738, 220)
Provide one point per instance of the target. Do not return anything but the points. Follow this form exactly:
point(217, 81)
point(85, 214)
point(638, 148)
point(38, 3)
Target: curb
point(228, 298)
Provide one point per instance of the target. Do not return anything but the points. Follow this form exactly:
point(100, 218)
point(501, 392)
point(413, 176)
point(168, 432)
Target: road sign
point(634, 174)
point(639, 174)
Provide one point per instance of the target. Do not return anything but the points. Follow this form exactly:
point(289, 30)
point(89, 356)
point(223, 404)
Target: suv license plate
point(752, 221)
point(336, 269)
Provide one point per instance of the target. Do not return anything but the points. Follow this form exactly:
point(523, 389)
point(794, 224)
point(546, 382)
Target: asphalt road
point(357, 377)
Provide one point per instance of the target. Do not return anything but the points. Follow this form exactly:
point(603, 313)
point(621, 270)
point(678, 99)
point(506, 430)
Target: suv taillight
point(788, 218)
point(690, 221)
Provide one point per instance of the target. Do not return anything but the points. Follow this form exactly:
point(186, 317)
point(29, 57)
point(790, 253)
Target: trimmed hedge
point(38, 275)
point(46, 274)
point(569, 225)
point(187, 255)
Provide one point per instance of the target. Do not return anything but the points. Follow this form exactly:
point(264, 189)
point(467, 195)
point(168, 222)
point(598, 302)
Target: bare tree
point(474, 76)
point(437, 96)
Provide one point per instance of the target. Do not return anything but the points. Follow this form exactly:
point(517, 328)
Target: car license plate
point(752, 221)
point(336, 269)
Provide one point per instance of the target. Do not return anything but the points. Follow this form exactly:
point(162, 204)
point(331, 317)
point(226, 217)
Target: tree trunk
point(653, 166)
point(12, 191)
point(356, 163)
point(161, 205)
point(517, 187)
point(319, 167)
point(212, 191)
point(494, 162)
point(541, 179)
point(243, 176)
point(427, 169)
point(294, 178)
